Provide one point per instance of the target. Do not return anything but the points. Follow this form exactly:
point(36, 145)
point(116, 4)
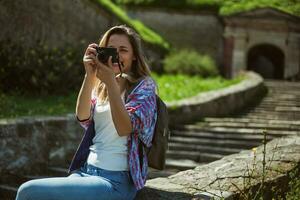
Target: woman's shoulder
point(147, 83)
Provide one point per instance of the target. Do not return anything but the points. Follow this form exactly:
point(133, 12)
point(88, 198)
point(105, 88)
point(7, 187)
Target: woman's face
point(124, 48)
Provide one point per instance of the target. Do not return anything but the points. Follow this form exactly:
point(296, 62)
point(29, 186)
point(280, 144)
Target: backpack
point(156, 153)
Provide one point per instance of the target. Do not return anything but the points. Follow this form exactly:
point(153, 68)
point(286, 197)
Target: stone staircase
point(210, 139)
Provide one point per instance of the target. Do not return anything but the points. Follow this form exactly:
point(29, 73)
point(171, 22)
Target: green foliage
point(225, 7)
point(40, 70)
point(190, 62)
point(146, 33)
point(294, 185)
point(232, 6)
point(170, 88)
point(191, 4)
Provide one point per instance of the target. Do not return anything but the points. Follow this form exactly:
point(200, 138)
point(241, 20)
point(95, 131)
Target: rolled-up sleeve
point(142, 110)
point(86, 122)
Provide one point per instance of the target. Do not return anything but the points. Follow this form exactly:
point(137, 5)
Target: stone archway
point(267, 60)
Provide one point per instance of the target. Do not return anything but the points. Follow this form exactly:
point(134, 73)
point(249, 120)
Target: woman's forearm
point(119, 113)
point(83, 104)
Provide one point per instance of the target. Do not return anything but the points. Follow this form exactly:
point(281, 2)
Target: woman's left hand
point(105, 72)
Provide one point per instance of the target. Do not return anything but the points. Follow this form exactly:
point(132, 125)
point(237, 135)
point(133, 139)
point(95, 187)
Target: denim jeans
point(87, 183)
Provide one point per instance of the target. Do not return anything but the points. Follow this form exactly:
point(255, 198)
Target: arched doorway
point(267, 60)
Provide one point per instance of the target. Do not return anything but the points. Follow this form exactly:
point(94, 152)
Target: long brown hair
point(139, 67)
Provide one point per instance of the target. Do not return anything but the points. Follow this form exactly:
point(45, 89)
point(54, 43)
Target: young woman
point(117, 107)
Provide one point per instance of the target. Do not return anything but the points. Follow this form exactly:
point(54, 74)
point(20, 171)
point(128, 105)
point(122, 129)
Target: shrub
point(191, 63)
point(39, 70)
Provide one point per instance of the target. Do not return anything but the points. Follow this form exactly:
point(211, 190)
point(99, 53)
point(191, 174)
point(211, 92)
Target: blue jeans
point(88, 183)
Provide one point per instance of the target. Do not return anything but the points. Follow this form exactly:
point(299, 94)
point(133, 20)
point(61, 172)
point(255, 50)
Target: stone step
point(282, 84)
point(267, 117)
point(226, 143)
point(275, 109)
point(286, 127)
point(241, 131)
point(8, 192)
point(203, 148)
point(273, 102)
point(181, 164)
point(154, 173)
point(195, 156)
point(285, 116)
point(57, 171)
point(219, 136)
point(283, 91)
point(282, 96)
point(250, 120)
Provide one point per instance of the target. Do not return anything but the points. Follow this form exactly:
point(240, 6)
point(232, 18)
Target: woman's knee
point(27, 190)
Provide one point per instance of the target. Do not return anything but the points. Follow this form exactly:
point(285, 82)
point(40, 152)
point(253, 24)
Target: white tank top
point(109, 150)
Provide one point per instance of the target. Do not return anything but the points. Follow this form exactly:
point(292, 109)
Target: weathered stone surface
point(192, 25)
point(229, 174)
point(29, 144)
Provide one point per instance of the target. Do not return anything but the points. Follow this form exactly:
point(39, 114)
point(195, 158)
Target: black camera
point(103, 54)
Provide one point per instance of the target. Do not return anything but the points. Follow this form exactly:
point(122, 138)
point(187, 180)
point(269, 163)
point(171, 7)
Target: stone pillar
point(292, 56)
point(227, 56)
point(239, 54)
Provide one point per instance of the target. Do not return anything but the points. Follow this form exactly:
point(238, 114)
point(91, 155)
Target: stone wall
point(29, 144)
point(185, 29)
point(55, 23)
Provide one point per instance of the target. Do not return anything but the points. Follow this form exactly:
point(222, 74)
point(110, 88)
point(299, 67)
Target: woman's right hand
point(89, 61)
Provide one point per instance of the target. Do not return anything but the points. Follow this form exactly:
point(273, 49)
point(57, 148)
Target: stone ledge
point(211, 104)
point(220, 177)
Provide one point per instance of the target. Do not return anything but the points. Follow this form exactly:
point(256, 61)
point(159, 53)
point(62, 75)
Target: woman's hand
point(89, 61)
point(105, 72)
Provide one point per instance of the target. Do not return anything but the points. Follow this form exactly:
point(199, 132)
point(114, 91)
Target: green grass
point(15, 106)
point(175, 87)
point(171, 87)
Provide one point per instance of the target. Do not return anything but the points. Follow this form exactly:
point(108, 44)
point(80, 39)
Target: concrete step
point(154, 173)
point(252, 125)
point(282, 84)
point(226, 143)
point(241, 131)
point(8, 192)
point(211, 148)
point(268, 112)
point(219, 136)
point(181, 164)
point(282, 116)
point(270, 103)
point(268, 117)
point(277, 110)
point(251, 120)
point(195, 156)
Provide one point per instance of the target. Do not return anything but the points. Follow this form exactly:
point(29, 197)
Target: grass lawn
point(171, 87)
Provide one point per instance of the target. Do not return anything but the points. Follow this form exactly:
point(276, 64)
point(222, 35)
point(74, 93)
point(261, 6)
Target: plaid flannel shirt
point(141, 107)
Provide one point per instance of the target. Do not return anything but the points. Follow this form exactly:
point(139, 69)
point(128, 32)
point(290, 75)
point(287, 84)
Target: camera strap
point(120, 68)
